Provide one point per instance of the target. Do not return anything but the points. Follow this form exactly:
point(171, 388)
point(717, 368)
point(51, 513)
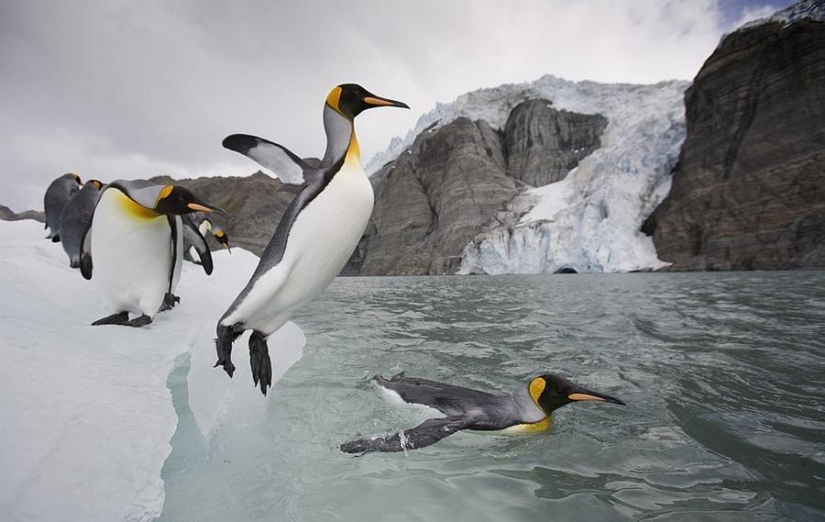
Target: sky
point(114, 89)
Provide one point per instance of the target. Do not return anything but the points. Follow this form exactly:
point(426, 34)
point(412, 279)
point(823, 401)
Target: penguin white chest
point(131, 254)
point(319, 244)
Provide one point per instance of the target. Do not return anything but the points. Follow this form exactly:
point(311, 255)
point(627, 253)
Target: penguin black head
point(551, 392)
point(174, 200)
point(95, 183)
point(350, 100)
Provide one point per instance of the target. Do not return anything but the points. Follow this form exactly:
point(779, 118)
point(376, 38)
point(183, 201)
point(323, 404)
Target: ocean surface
point(723, 376)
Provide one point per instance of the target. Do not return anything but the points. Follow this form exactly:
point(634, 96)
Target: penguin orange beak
point(378, 101)
point(582, 394)
point(205, 207)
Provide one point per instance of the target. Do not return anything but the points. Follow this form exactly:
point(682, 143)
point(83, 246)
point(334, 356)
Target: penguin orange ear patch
point(537, 386)
point(334, 97)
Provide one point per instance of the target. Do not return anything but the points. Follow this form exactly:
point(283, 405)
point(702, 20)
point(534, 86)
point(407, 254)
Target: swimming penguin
point(526, 410)
point(316, 236)
point(58, 194)
point(135, 246)
point(76, 218)
point(203, 225)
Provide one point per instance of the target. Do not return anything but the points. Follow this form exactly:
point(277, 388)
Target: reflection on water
point(723, 375)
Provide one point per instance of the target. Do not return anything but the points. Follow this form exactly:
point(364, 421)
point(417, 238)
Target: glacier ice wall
point(590, 221)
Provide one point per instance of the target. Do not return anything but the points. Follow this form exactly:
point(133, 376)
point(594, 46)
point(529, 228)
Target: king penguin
point(59, 193)
point(315, 237)
point(76, 219)
point(135, 247)
point(204, 225)
point(526, 410)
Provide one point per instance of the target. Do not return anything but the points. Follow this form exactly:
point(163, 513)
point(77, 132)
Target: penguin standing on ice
point(76, 219)
point(135, 247)
point(316, 236)
point(58, 194)
point(526, 410)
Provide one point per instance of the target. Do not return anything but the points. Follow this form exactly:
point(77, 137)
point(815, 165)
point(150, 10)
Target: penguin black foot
point(118, 318)
point(259, 361)
point(137, 322)
point(226, 336)
point(169, 302)
point(56, 238)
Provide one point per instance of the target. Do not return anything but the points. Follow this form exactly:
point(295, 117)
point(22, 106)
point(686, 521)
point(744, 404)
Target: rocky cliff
point(749, 188)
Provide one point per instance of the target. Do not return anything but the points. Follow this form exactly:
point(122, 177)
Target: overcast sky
point(133, 89)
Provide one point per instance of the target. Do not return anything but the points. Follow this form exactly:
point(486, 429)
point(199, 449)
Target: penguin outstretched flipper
point(281, 161)
point(425, 434)
point(192, 235)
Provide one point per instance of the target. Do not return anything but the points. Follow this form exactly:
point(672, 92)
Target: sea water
point(723, 376)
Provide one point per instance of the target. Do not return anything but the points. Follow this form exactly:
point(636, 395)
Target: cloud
point(132, 89)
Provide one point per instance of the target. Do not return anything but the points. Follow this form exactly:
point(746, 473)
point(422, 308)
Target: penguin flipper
point(194, 237)
point(425, 434)
point(449, 399)
point(86, 252)
point(288, 167)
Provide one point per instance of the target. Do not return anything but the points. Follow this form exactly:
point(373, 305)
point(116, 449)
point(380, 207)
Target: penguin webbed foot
point(169, 301)
point(223, 344)
point(119, 318)
point(260, 361)
point(139, 321)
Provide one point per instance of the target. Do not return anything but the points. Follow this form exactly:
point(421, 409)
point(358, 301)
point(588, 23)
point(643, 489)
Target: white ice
point(86, 416)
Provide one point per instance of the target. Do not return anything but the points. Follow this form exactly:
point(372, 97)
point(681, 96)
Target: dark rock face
point(543, 144)
point(749, 189)
point(7, 214)
point(441, 193)
point(433, 200)
point(254, 203)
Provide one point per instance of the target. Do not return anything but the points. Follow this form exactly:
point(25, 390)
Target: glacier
point(591, 220)
point(87, 416)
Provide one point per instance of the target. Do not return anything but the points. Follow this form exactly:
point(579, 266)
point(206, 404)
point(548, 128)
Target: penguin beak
point(378, 101)
point(203, 206)
point(581, 394)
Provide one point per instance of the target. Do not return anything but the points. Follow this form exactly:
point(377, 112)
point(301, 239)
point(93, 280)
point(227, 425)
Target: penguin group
point(132, 237)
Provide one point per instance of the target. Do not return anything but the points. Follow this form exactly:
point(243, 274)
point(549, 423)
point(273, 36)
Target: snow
point(86, 416)
point(591, 220)
point(802, 10)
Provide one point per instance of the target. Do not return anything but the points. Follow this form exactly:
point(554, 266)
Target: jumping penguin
point(58, 194)
point(316, 236)
point(526, 410)
point(135, 245)
point(76, 218)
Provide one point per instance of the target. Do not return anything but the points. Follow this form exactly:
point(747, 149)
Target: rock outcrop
point(543, 144)
point(749, 189)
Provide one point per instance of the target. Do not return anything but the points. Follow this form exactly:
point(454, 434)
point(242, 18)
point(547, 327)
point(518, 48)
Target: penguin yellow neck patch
point(353, 151)
point(133, 209)
point(165, 191)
